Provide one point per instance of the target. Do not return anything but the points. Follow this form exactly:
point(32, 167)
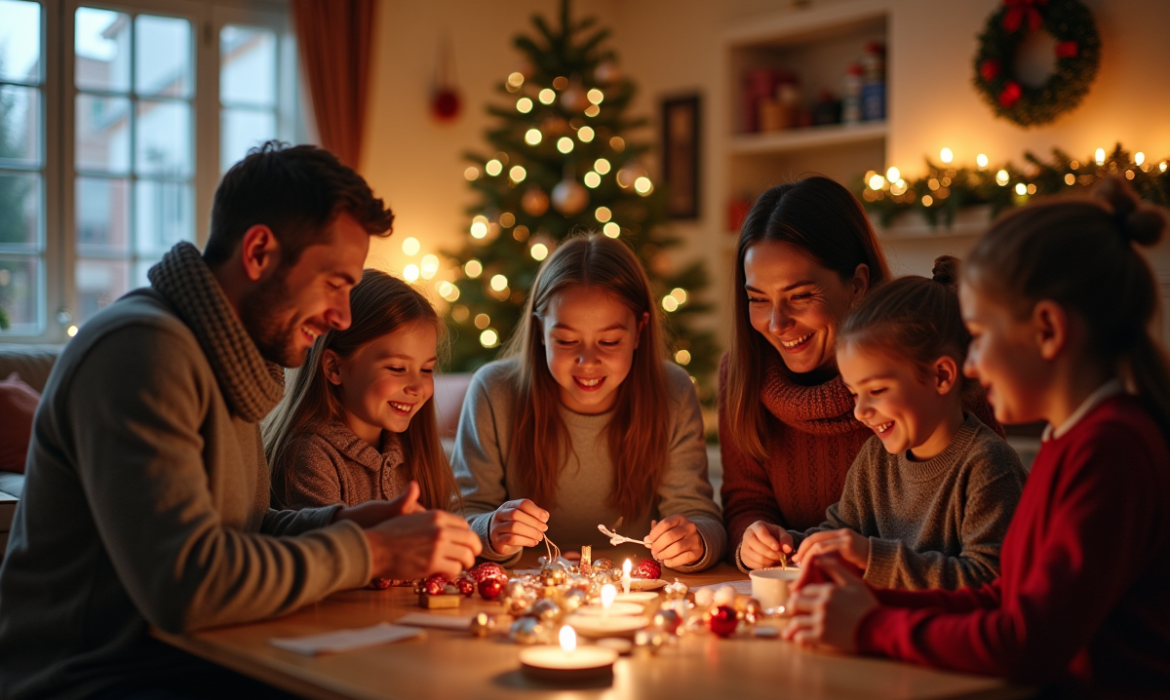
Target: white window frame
point(58, 295)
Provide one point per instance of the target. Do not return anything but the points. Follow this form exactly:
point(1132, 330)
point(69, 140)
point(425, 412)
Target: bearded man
point(146, 499)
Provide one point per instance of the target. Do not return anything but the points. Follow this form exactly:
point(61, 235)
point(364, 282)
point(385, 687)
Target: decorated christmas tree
point(559, 163)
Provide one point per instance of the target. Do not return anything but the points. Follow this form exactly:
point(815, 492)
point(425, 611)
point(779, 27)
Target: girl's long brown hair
point(638, 440)
point(379, 304)
point(823, 219)
point(1082, 254)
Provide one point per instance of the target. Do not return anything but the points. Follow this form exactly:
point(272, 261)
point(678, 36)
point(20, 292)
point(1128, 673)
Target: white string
point(616, 539)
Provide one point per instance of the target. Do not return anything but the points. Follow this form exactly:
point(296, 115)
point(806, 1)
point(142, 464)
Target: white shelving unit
point(792, 140)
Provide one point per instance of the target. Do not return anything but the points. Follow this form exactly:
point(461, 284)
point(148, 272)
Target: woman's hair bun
point(946, 271)
point(1136, 223)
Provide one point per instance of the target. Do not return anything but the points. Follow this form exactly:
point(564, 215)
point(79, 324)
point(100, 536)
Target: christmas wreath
point(1078, 53)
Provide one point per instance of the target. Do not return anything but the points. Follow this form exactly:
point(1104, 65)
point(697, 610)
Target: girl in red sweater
point(1058, 302)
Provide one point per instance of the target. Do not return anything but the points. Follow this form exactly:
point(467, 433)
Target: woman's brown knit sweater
point(811, 440)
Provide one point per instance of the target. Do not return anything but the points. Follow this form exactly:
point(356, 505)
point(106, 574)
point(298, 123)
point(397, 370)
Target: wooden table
point(448, 664)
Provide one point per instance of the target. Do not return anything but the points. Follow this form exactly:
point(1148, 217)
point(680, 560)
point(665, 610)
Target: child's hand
point(762, 544)
point(517, 524)
point(827, 614)
point(675, 541)
point(852, 547)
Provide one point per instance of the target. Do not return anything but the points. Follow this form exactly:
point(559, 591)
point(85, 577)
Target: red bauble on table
point(723, 621)
point(647, 568)
point(381, 584)
point(434, 585)
point(486, 570)
point(466, 585)
point(491, 588)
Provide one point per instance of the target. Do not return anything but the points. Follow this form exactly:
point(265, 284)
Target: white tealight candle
point(568, 663)
point(626, 568)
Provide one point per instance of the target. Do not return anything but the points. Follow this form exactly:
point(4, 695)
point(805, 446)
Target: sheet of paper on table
point(443, 622)
point(742, 587)
point(345, 640)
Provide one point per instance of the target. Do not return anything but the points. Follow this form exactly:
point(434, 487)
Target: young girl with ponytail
point(930, 495)
point(586, 422)
point(1059, 303)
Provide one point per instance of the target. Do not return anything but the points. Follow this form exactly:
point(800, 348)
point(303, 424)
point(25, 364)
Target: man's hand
point(420, 544)
point(852, 547)
point(762, 544)
point(371, 513)
point(675, 541)
point(516, 524)
point(828, 614)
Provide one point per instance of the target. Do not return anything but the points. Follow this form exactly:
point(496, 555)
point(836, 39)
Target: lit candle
point(568, 663)
point(608, 593)
point(626, 568)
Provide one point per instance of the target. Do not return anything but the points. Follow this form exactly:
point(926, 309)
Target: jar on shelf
point(873, 89)
point(851, 94)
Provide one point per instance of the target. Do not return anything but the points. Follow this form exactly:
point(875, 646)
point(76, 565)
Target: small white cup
point(770, 586)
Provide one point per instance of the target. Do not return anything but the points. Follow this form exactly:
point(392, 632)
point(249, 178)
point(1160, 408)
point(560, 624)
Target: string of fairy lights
point(945, 188)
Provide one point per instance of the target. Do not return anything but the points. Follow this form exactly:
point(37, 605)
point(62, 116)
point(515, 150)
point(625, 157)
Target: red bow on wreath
point(1010, 95)
point(1018, 10)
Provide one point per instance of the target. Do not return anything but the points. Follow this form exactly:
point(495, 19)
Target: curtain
point(334, 38)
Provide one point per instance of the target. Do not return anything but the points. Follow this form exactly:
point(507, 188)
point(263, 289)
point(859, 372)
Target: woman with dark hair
point(807, 254)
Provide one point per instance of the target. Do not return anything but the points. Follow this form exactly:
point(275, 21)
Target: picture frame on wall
point(681, 140)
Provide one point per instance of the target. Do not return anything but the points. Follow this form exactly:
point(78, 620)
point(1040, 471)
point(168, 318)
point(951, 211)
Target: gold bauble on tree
point(606, 72)
point(570, 197)
point(573, 99)
point(534, 202)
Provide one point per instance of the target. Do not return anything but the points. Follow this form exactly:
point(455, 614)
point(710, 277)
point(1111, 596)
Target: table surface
point(449, 664)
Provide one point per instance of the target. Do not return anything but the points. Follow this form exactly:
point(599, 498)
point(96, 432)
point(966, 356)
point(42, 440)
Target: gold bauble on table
point(570, 197)
point(534, 202)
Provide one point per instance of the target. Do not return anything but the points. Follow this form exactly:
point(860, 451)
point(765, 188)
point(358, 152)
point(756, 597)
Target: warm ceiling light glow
point(410, 246)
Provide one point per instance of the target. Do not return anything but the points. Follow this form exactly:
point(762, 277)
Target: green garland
point(944, 190)
point(1078, 53)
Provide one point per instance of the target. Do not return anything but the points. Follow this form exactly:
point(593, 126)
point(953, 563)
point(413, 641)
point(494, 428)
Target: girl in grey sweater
point(586, 423)
point(929, 498)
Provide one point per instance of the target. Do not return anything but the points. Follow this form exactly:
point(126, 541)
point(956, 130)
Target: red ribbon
point(1066, 49)
point(988, 70)
point(1018, 10)
point(1010, 95)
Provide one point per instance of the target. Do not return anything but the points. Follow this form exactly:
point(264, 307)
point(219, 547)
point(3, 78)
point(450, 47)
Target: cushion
point(18, 403)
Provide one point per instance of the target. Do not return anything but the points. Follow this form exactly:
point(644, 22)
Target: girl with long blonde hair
point(358, 424)
point(585, 422)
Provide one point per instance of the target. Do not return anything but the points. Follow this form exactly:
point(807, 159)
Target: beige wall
point(674, 46)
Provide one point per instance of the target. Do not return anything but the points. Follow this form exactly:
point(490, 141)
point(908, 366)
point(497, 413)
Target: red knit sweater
point(1083, 597)
point(811, 440)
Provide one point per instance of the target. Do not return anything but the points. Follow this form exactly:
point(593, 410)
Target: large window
point(157, 99)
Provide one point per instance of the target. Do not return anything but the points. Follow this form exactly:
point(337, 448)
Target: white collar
point(1108, 390)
